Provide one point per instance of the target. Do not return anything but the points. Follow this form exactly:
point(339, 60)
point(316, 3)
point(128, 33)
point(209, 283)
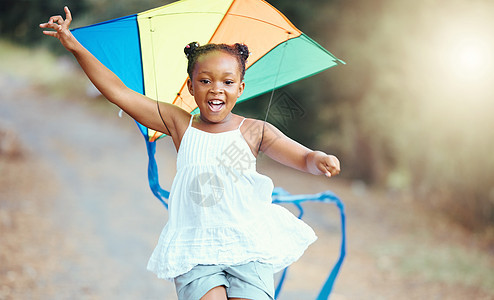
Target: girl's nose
point(216, 88)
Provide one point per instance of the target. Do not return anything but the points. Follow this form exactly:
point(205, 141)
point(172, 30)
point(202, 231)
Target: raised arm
point(141, 108)
point(290, 153)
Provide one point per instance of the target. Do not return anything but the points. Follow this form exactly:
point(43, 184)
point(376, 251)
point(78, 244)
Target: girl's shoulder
point(258, 129)
point(257, 132)
point(251, 127)
point(260, 134)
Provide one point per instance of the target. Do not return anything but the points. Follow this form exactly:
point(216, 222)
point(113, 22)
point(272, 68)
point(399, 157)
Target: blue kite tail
point(154, 184)
point(281, 196)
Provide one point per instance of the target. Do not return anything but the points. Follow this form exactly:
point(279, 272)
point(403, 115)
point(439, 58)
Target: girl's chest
point(227, 149)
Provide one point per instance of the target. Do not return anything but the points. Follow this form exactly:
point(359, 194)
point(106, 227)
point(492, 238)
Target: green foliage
point(19, 19)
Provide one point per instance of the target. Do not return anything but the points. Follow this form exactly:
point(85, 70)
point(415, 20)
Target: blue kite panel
point(116, 44)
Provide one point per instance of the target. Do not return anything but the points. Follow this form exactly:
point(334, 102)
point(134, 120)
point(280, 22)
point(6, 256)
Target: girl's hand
point(61, 28)
point(318, 161)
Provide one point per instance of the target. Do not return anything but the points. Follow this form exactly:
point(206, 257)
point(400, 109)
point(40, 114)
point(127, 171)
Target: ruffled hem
point(279, 240)
point(169, 271)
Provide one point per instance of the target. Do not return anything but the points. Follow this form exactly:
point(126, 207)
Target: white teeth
point(216, 102)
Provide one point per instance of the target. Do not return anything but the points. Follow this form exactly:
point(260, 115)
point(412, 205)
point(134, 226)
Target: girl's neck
point(227, 124)
point(206, 122)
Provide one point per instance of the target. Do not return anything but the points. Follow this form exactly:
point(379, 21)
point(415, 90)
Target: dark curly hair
point(193, 51)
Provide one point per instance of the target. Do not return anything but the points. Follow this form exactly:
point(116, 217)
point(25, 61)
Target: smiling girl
point(224, 238)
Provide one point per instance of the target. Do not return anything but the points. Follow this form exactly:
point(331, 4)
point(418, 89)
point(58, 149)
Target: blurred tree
point(19, 19)
point(102, 10)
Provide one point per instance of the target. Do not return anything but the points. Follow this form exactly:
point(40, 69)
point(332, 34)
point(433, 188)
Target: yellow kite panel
point(164, 32)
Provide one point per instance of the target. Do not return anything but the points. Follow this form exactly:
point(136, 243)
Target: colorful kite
point(145, 51)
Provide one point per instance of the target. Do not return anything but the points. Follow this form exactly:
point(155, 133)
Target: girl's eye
point(228, 82)
point(204, 81)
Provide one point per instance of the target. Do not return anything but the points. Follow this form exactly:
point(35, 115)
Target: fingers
point(68, 15)
point(331, 166)
point(51, 25)
point(50, 33)
point(56, 19)
point(57, 22)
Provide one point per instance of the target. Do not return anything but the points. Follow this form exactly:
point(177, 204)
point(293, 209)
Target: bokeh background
point(409, 116)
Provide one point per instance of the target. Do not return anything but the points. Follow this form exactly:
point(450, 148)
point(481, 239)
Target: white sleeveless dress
point(220, 210)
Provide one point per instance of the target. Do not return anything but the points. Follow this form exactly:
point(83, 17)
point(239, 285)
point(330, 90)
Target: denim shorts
point(253, 280)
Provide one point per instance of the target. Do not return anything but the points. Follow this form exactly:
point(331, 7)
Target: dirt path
point(78, 220)
point(99, 221)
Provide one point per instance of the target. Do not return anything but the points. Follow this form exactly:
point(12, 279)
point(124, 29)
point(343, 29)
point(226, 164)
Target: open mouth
point(216, 105)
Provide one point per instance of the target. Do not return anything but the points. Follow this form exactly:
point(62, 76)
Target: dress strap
point(191, 118)
point(241, 123)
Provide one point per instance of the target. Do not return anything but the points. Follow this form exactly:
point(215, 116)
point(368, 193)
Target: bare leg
point(216, 293)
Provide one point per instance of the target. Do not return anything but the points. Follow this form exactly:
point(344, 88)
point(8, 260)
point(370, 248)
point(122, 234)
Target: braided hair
point(193, 51)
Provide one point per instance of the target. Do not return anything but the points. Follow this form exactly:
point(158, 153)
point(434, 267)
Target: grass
point(59, 75)
point(51, 73)
point(448, 264)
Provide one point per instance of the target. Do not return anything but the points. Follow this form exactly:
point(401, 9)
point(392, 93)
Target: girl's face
point(216, 85)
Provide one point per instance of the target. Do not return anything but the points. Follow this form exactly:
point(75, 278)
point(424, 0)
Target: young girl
point(224, 238)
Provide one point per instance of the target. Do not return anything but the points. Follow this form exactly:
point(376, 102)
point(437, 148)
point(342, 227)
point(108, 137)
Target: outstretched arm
point(141, 108)
point(290, 153)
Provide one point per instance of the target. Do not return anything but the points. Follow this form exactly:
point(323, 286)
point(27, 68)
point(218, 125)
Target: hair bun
point(243, 50)
point(190, 48)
